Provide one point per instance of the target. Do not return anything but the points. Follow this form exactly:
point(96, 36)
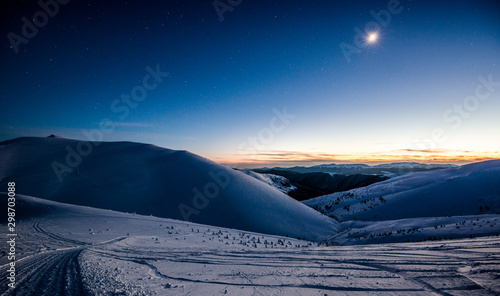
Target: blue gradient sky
point(226, 77)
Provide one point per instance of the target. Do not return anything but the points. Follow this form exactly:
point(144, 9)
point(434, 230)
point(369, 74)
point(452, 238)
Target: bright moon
point(372, 38)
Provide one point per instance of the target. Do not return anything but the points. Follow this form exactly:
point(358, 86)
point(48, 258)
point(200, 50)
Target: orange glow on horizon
point(297, 158)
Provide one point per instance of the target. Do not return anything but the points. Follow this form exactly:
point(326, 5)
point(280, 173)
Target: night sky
point(427, 89)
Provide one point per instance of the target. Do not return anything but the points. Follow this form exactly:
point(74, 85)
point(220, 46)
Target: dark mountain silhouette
point(310, 185)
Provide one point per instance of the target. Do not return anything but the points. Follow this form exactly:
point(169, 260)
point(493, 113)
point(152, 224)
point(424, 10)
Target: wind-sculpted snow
point(149, 180)
point(75, 250)
point(472, 189)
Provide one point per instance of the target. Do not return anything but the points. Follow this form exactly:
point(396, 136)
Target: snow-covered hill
point(467, 190)
point(145, 179)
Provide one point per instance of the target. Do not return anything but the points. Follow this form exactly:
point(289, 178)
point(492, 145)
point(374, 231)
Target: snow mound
point(150, 180)
point(467, 190)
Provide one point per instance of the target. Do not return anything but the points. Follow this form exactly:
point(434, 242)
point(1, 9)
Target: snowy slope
point(145, 179)
point(417, 229)
point(74, 250)
point(467, 190)
point(279, 182)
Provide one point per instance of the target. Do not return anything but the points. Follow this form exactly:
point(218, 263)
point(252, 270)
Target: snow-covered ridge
point(467, 190)
point(278, 182)
point(146, 179)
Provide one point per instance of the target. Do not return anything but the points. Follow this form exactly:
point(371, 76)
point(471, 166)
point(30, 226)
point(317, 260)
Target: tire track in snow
point(55, 273)
point(157, 273)
point(39, 229)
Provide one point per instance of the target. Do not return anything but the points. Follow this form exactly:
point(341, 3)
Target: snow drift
point(150, 180)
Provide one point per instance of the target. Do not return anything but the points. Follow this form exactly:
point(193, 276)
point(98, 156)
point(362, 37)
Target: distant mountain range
point(394, 165)
point(353, 169)
point(303, 183)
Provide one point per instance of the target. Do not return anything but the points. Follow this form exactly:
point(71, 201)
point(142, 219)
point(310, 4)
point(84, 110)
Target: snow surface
point(75, 250)
point(467, 190)
point(417, 229)
point(146, 179)
point(279, 182)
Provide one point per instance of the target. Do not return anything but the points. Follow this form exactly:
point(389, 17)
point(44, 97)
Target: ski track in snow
point(154, 259)
point(54, 272)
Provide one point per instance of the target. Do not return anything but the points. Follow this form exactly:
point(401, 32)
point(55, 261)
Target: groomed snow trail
point(55, 272)
point(51, 273)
